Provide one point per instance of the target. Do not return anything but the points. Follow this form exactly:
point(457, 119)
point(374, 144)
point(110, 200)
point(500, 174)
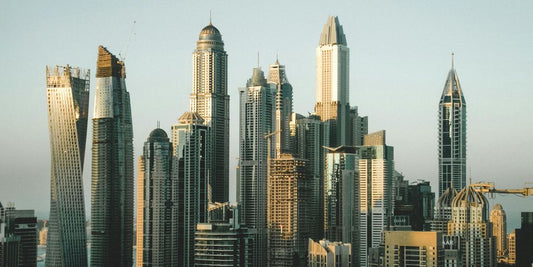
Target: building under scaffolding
point(290, 215)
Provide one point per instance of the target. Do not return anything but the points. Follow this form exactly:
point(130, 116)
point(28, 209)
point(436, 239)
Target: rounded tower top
point(445, 200)
point(210, 38)
point(191, 118)
point(469, 196)
point(158, 135)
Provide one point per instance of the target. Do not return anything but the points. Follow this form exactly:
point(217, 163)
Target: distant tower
point(256, 120)
point(210, 100)
point(452, 134)
point(278, 78)
point(112, 166)
point(376, 165)
point(470, 222)
point(155, 208)
point(332, 82)
point(68, 100)
point(499, 229)
point(190, 169)
point(291, 220)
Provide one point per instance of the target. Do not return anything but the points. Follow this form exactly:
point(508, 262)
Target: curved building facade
point(68, 99)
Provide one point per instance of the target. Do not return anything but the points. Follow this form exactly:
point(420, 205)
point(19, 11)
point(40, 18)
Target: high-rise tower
point(256, 120)
point(499, 229)
point(211, 100)
point(452, 134)
point(68, 100)
point(283, 112)
point(112, 166)
point(190, 169)
point(376, 165)
point(332, 82)
point(156, 223)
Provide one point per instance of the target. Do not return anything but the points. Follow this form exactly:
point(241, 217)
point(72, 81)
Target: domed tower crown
point(158, 135)
point(210, 38)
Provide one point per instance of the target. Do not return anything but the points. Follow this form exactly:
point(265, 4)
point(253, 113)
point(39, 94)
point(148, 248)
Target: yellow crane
point(489, 187)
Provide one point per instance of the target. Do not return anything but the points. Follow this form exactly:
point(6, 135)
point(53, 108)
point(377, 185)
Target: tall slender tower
point(452, 134)
point(211, 100)
point(155, 207)
point(376, 165)
point(283, 113)
point(112, 166)
point(499, 229)
point(256, 116)
point(190, 168)
point(332, 82)
point(68, 100)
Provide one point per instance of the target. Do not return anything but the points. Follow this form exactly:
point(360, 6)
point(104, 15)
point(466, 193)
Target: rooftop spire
point(332, 33)
point(453, 54)
point(210, 17)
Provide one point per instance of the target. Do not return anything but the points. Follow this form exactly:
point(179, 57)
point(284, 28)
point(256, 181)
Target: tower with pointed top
point(332, 82)
point(452, 134)
point(210, 99)
point(112, 166)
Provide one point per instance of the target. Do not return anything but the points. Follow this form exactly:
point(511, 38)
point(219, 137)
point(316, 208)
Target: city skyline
point(490, 76)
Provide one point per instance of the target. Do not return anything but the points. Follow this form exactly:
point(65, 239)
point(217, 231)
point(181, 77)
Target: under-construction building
point(290, 216)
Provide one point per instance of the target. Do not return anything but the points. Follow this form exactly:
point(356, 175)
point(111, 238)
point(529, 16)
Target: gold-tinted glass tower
point(68, 99)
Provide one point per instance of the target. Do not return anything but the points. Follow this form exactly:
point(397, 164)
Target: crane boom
point(488, 187)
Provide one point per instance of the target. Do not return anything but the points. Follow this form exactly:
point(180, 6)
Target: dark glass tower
point(452, 135)
point(112, 166)
point(68, 100)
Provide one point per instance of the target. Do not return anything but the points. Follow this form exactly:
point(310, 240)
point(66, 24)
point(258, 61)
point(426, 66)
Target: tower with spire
point(210, 99)
point(452, 134)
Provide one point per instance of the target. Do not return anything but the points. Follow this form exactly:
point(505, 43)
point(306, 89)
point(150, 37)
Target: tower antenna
point(258, 59)
point(452, 60)
point(210, 17)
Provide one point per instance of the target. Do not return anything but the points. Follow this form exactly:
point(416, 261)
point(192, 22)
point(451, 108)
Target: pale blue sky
point(399, 59)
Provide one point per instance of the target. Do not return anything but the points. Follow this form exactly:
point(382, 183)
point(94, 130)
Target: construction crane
point(488, 187)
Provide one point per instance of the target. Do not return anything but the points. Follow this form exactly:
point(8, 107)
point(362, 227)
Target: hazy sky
point(399, 59)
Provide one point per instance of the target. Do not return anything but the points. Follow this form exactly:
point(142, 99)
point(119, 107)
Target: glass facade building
point(112, 166)
point(68, 99)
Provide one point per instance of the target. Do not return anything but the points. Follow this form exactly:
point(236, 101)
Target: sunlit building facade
point(332, 82)
point(210, 99)
point(325, 253)
point(498, 219)
point(68, 99)
point(256, 120)
point(452, 135)
point(283, 109)
point(376, 165)
point(112, 166)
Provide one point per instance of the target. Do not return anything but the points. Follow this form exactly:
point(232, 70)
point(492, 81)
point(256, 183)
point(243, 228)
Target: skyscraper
point(112, 166)
point(277, 77)
point(376, 165)
point(452, 134)
point(156, 223)
point(210, 99)
point(413, 248)
point(68, 100)
point(291, 218)
point(332, 82)
point(340, 197)
point(470, 222)
point(190, 168)
point(499, 229)
point(256, 117)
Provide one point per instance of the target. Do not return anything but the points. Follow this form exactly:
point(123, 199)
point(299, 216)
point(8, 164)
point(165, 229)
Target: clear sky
point(399, 59)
